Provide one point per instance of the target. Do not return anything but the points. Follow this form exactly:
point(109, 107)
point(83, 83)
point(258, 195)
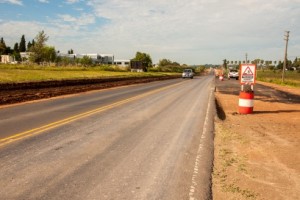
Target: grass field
point(22, 73)
point(292, 78)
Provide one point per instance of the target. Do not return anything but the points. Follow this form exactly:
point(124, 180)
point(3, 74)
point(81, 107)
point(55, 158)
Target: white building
point(7, 59)
point(25, 55)
point(107, 59)
point(97, 58)
point(122, 63)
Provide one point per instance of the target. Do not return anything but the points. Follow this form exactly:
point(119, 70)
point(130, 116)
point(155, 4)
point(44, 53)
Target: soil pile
point(20, 92)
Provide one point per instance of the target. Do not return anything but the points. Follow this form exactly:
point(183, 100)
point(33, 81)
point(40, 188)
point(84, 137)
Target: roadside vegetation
point(271, 71)
point(37, 61)
point(24, 73)
point(291, 78)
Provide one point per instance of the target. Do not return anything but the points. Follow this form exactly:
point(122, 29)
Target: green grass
point(292, 78)
point(23, 73)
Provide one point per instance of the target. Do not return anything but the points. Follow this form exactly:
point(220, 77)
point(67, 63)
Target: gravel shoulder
point(257, 155)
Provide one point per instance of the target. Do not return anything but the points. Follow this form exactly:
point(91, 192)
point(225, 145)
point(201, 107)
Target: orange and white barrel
point(246, 102)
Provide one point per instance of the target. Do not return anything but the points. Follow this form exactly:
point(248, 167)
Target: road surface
point(148, 141)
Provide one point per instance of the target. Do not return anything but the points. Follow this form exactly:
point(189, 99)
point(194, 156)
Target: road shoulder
point(257, 155)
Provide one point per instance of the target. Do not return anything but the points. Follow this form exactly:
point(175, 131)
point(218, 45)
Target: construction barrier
point(221, 77)
point(246, 102)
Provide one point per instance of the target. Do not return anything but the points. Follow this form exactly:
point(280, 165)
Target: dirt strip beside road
point(20, 92)
point(257, 155)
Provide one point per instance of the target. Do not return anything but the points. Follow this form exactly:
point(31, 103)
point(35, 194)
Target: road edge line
point(202, 174)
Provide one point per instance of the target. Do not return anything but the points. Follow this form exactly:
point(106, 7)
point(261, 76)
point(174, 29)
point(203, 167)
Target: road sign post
point(247, 81)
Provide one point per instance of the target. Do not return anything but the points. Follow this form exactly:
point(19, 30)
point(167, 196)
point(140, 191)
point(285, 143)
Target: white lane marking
point(199, 155)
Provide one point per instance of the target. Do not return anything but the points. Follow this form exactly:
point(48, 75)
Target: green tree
point(71, 51)
point(289, 64)
point(8, 50)
point(256, 61)
point(184, 65)
point(175, 64)
point(16, 47)
point(2, 46)
point(86, 61)
point(22, 46)
point(16, 52)
point(225, 62)
point(280, 65)
point(29, 45)
point(164, 62)
point(64, 60)
point(296, 63)
point(167, 65)
point(49, 54)
point(144, 57)
point(38, 48)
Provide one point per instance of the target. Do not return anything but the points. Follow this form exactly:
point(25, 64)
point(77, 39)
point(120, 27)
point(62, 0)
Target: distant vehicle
point(188, 73)
point(233, 73)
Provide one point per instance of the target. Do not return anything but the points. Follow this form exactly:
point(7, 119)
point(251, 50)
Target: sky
point(188, 32)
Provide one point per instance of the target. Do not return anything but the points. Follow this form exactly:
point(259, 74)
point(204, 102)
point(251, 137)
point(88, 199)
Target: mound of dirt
point(21, 92)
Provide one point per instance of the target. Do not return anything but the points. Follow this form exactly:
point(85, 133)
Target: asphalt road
point(148, 141)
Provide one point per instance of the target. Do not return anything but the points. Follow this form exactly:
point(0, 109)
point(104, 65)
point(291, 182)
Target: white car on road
point(233, 74)
point(188, 73)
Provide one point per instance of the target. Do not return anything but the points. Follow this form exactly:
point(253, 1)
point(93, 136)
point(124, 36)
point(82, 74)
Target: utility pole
point(286, 38)
point(246, 58)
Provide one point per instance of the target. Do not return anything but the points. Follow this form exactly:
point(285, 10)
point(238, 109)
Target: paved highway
point(148, 141)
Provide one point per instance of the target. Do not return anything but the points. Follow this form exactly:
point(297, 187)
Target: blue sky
point(190, 32)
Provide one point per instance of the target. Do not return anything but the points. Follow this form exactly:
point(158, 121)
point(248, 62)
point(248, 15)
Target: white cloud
point(57, 34)
point(199, 31)
point(71, 1)
point(12, 30)
point(16, 2)
point(194, 31)
point(82, 20)
point(67, 18)
point(43, 1)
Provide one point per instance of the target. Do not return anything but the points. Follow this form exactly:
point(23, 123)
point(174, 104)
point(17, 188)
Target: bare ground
point(20, 92)
point(257, 156)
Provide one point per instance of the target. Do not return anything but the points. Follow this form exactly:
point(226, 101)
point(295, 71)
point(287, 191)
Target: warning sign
point(247, 74)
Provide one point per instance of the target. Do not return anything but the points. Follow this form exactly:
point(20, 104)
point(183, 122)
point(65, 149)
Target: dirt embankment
point(20, 92)
point(257, 155)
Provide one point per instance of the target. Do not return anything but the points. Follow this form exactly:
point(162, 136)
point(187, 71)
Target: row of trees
point(164, 65)
point(37, 47)
point(256, 61)
point(18, 47)
point(269, 64)
point(167, 65)
point(40, 52)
